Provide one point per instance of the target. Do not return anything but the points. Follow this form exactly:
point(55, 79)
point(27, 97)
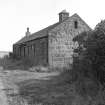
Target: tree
point(93, 57)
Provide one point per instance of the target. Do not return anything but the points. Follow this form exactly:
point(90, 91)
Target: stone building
point(52, 45)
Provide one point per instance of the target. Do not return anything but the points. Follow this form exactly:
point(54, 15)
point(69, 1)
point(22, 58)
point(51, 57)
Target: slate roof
point(39, 34)
point(43, 32)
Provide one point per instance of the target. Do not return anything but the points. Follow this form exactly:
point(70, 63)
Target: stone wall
point(36, 50)
point(61, 45)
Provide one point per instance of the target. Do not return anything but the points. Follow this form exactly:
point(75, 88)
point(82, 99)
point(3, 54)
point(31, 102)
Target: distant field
point(3, 53)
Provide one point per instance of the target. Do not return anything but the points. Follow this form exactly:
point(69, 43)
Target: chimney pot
point(27, 29)
point(63, 15)
point(27, 33)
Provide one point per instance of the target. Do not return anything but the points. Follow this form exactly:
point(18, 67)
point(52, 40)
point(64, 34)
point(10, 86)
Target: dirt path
point(3, 97)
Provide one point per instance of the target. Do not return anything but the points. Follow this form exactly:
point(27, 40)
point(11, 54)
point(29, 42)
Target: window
point(24, 51)
point(31, 47)
point(28, 50)
point(75, 24)
point(19, 51)
point(34, 50)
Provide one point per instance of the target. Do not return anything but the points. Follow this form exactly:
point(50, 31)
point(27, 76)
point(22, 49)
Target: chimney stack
point(27, 33)
point(63, 15)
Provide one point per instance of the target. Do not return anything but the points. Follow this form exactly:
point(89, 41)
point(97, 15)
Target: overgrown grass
point(64, 89)
point(13, 64)
point(56, 91)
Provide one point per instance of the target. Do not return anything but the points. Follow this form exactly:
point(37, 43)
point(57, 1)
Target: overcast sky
point(17, 15)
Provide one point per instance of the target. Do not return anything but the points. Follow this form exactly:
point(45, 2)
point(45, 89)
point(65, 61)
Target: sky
point(17, 15)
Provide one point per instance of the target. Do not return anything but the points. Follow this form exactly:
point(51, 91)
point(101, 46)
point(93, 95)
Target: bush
point(89, 66)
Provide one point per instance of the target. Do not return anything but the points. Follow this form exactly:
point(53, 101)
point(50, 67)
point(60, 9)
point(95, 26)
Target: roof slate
point(39, 34)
